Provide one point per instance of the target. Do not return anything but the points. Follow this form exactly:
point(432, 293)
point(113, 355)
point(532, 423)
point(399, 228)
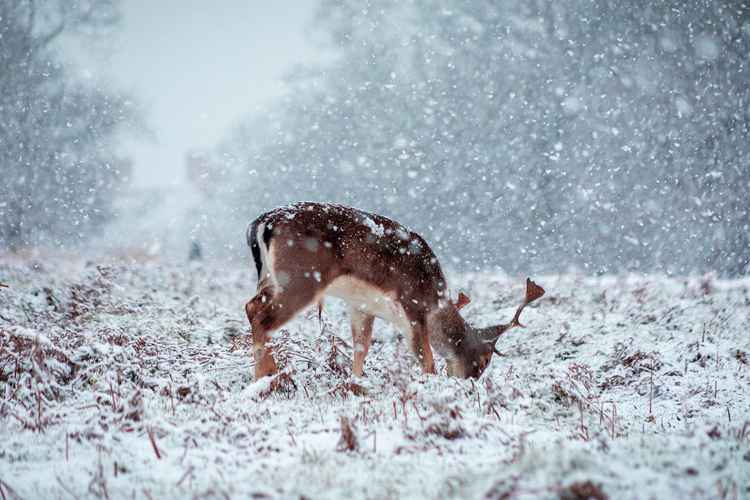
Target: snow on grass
point(136, 380)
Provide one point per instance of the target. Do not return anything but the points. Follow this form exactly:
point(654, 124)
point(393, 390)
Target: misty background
point(533, 136)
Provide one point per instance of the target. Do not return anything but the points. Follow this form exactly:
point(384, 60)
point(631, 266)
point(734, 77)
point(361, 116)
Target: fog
point(585, 162)
point(542, 136)
point(197, 70)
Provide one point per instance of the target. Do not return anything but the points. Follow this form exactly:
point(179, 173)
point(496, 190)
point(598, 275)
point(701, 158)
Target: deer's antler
point(490, 334)
point(533, 292)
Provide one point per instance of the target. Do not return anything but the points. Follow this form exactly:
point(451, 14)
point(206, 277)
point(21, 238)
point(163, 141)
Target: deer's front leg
point(264, 362)
point(361, 338)
point(421, 347)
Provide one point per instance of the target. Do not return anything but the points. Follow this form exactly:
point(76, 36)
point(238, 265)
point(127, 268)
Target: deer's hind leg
point(257, 310)
point(268, 311)
point(361, 338)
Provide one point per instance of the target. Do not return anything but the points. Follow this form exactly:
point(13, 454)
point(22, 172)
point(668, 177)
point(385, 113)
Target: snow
point(637, 383)
point(375, 228)
point(27, 333)
point(707, 47)
point(548, 138)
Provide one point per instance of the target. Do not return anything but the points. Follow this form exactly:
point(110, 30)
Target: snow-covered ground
point(136, 380)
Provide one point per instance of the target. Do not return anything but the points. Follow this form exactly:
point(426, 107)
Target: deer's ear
point(462, 300)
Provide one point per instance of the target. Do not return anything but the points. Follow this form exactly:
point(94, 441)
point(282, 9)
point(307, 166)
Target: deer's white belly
point(364, 297)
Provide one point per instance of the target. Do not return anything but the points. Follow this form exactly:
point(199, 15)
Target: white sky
point(198, 67)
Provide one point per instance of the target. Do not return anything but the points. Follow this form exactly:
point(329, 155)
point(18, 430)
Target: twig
point(416, 410)
point(744, 429)
point(171, 399)
point(112, 396)
point(651, 392)
point(221, 417)
point(291, 435)
point(584, 430)
point(153, 443)
point(65, 488)
point(87, 407)
point(6, 487)
point(187, 447)
point(185, 475)
point(494, 410)
point(614, 417)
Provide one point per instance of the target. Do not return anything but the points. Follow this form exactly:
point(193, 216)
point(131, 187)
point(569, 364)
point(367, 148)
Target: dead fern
point(583, 490)
point(348, 440)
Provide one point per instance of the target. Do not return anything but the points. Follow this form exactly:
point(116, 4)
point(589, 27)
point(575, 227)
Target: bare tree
point(55, 134)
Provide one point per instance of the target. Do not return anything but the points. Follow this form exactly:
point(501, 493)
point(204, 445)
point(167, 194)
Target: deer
point(307, 251)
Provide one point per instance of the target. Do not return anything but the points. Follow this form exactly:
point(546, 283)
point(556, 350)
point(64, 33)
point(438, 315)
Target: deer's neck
point(450, 331)
point(490, 334)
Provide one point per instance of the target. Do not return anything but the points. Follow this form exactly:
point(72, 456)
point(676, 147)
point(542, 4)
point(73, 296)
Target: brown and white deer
point(306, 251)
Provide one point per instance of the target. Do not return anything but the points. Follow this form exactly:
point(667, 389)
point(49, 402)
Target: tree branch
point(45, 39)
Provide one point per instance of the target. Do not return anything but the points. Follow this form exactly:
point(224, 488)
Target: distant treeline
point(534, 135)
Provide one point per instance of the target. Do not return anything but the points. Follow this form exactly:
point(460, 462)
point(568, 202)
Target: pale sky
point(198, 67)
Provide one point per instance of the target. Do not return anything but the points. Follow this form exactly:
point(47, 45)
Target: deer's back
point(343, 241)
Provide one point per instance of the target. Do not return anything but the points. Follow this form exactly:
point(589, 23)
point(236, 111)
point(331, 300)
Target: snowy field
point(135, 380)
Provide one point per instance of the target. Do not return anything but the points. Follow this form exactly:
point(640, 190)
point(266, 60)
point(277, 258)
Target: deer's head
point(475, 346)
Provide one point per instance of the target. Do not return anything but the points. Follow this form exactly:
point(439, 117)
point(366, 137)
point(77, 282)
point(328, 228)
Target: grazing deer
point(305, 251)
